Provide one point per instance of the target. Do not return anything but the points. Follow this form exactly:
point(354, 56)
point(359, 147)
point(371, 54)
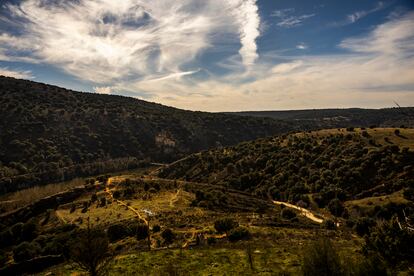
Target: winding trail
point(175, 198)
point(120, 202)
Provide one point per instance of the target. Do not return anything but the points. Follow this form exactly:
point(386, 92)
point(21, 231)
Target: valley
point(187, 199)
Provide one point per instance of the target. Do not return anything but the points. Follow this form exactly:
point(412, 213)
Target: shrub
point(29, 231)
point(72, 208)
point(328, 224)
point(239, 233)
point(25, 251)
point(335, 207)
point(409, 193)
point(321, 259)
point(225, 225)
point(140, 231)
point(117, 232)
point(103, 202)
point(211, 240)
point(363, 225)
point(168, 236)
point(117, 194)
point(156, 228)
point(392, 243)
point(288, 213)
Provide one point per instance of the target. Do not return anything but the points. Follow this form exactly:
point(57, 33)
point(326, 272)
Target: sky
point(217, 55)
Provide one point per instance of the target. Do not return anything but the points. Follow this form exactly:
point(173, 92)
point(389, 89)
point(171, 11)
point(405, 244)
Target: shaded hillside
point(327, 164)
point(350, 117)
point(45, 128)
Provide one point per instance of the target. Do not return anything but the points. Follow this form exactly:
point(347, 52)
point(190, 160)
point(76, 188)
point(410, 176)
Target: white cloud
point(377, 70)
point(103, 89)
point(106, 41)
point(294, 21)
point(249, 22)
point(150, 48)
point(288, 20)
point(354, 17)
point(18, 74)
point(302, 46)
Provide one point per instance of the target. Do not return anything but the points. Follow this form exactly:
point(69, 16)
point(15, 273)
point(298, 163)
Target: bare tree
point(91, 250)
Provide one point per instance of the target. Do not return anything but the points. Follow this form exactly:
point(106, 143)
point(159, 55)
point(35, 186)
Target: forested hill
point(45, 128)
point(349, 117)
point(350, 164)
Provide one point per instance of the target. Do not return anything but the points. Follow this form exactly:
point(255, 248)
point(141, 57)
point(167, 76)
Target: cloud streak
point(105, 41)
point(286, 18)
point(376, 70)
point(18, 74)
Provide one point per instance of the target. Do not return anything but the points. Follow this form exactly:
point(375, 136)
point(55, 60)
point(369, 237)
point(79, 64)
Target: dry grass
point(24, 197)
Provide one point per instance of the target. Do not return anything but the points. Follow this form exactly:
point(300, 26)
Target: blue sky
point(216, 55)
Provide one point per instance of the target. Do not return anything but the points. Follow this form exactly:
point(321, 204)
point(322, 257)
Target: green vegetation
point(53, 134)
point(327, 202)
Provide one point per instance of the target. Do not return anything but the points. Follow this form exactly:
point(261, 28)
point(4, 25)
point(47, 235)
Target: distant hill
point(48, 133)
point(333, 118)
point(328, 163)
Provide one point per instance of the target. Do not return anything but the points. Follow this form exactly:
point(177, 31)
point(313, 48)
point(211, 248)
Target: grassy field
point(382, 136)
point(274, 251)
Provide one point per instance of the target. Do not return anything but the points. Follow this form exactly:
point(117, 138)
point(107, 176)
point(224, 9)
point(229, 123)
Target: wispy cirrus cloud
point(105, 41)
point(377, 70)
point(287, 18)
point(358, 15)
point(302, 46)
point(18, 74)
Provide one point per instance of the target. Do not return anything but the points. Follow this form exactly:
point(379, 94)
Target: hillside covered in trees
point(50, 134)
point(331, 164)
point(348, 117)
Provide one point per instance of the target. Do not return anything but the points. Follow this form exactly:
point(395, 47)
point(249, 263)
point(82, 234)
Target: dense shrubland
point(331, 169)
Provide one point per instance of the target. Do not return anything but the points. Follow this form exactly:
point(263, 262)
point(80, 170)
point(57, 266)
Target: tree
point(335, 207)
point(116, 232)
point(168, 235)
point(239, 233)
point(25, 251)
point(91, 250)
point(392, 241)
point(141, 231)
point(321, 259)
point(225, 225)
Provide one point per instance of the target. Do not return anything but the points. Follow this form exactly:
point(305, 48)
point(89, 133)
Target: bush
point(29, 231)
point(335, 207)
point(363, 225)
point(239, 233)
point(25, 251)
point(321, 259)
point(392, 243)
point(225, 225)
point(328, 224)
point(288, 213)
point(140, 231)
point(409, 194)
point(168, 236)
point(211, 240)
point(117, 232)
point(156, 228)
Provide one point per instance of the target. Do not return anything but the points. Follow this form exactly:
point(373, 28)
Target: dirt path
point(174, 199)
point(303, 211)
point(120, 202)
